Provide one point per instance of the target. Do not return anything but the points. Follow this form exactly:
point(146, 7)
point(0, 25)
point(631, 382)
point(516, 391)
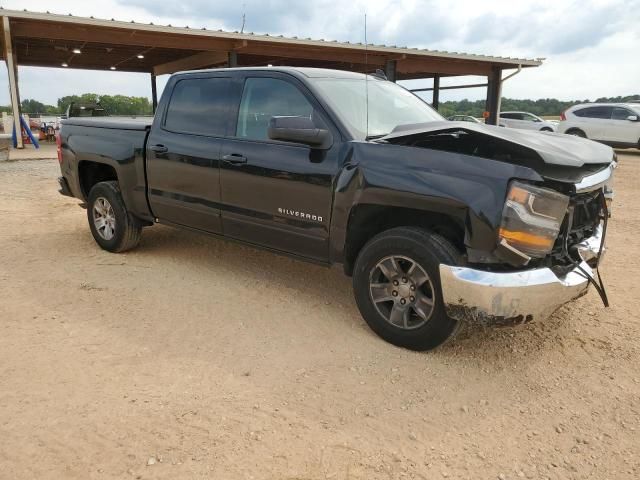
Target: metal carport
point(49, 40)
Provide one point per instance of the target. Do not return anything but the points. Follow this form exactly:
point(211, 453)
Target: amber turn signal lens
point(518, 194)
point(524, 239)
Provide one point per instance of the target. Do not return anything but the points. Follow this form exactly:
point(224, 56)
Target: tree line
point(125, 105)
point(113, 104)
point(541, 107)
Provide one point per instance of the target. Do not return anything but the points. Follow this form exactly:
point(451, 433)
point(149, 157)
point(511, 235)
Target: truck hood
point(552, 148)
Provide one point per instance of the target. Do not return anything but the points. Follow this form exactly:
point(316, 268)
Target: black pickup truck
point(437, 222)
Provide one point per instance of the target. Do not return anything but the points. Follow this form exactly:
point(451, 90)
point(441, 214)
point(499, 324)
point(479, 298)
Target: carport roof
point(48, 40)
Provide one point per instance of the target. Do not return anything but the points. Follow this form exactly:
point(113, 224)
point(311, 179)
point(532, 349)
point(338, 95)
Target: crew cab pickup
point(438, 222)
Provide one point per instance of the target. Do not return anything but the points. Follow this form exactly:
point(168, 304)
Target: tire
point(405, 245)
point(577, 132)
point(545, 129)
point(112, 226)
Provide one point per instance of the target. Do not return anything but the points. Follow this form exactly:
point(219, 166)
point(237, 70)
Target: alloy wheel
point(104, 219)
point(402, 292)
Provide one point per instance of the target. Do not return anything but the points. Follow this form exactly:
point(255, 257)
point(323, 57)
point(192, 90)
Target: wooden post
point(436, 92)
point(494, 94)
point(233, 59)
point(154, 92)
point(390, 70)
point(12, 70)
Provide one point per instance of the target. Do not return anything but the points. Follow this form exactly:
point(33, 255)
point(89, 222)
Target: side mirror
point(299, 130)
point(632, 118)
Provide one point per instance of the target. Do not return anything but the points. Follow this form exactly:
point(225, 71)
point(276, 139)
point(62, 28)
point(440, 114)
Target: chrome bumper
point(496, 298)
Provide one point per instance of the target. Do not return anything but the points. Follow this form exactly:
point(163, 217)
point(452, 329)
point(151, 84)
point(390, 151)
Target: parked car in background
point(615, 124)
point(463, 118)
point(526, 121)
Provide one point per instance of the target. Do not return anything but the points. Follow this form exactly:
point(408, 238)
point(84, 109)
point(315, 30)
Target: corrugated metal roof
point(186, 30)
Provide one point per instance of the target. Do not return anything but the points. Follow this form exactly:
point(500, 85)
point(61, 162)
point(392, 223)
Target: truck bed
point(120, 123)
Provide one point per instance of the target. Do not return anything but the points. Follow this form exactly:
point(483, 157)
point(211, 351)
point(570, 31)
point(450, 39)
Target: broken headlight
point(532, 218)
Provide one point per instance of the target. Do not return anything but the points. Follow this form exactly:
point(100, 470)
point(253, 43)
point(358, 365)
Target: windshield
point(390, 105)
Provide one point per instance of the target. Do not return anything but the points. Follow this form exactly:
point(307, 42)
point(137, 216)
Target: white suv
point(526, 121)
point(616, 124)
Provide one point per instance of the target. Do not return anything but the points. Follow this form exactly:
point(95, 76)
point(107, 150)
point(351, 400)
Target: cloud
point(261, 16)
point(565, 28)
point(591, 45)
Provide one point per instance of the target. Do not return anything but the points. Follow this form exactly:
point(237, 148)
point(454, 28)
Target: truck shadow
point(328, 289)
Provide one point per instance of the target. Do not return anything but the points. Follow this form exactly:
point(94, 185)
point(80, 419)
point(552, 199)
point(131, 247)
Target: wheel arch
point(91, 172)
point(573, 130)
point(367, 220)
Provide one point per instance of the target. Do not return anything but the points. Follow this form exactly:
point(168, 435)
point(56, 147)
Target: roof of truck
point(310, 72)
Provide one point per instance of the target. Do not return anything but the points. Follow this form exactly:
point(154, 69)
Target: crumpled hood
point(553, 148)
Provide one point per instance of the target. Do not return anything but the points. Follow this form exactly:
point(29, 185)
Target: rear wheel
point(396, 283)
point(546, 129)
point(577, 132)
point(112, 226)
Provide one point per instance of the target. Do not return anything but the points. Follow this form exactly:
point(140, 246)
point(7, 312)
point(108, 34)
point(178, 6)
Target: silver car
point(526, 121)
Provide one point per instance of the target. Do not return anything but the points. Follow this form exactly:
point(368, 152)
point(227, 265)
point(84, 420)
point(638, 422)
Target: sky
point(590, 46)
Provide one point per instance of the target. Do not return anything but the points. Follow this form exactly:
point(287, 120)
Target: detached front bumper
point(511, 298)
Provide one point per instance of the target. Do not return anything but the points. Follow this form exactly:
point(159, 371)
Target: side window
point(596, 112)
point(263, 98)
point(508, 116)
point(199, 106)
point(620, 113)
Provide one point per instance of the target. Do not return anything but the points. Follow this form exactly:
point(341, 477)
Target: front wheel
point(112, 226)
point(396, 282)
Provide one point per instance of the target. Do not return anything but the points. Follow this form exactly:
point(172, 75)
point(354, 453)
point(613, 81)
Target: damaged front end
point(501, 298)
point(551, 237)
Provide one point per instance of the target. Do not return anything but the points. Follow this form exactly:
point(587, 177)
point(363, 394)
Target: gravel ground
point(192, 358)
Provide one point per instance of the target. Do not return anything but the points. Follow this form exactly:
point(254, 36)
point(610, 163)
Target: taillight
point(563, 116)
point(59, 148)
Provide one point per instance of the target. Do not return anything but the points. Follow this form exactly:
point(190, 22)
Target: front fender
point(470, 189)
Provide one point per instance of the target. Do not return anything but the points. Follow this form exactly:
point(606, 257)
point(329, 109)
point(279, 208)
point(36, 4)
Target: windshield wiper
point(375, 137)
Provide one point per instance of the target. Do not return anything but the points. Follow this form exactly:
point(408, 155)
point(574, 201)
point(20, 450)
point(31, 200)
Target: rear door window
point(199, 106)
point(594, 112)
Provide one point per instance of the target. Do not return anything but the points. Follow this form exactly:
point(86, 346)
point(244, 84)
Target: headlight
point(532, 218)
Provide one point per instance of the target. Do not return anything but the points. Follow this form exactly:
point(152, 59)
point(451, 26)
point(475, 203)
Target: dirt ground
point(193, 358)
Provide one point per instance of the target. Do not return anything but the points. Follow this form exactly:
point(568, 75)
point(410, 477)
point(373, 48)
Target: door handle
point(158, 148)
point(235, 158)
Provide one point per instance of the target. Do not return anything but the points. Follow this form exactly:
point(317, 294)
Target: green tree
point(34, 106)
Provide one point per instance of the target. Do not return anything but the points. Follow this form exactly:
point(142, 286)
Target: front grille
point(587, 208)
point(583, 216)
